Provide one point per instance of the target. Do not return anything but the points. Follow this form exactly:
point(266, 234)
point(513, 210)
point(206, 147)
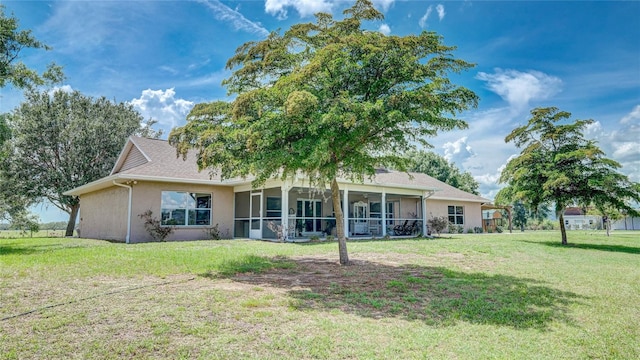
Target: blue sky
point(166, 56)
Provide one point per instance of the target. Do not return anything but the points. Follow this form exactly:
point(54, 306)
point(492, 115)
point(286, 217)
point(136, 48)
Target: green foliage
point(154, 227)
point(328, 99)
point(519, 215)
point(13, 71)
point(434, 165)
point(557, 164)
point(61, 141)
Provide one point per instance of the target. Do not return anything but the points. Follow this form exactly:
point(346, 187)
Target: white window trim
point(186, 225)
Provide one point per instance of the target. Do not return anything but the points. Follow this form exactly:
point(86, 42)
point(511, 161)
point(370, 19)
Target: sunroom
point(370, 211)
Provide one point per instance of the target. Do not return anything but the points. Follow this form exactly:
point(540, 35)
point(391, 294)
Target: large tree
point(432, 164)
point(12, 70)
point(557, 164)
point(63, 140)
point(328, 99)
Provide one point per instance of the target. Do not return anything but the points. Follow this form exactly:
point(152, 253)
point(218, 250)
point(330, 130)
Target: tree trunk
point(510, 220)
point(563, 231)
point(71, 225)
point(340, 231)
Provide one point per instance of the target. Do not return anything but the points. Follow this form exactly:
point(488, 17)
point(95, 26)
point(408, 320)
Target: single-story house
point(576, 219)
point(149, 176)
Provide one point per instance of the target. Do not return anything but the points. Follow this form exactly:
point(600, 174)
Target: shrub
point(153, 226)
point(469, 231)
point(438, 223)
point(477, 230)
point(213, 232)
point(498, 229)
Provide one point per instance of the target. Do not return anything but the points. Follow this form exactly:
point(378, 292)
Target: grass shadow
point(15, 250)
point(600, 247)
point(434, 295)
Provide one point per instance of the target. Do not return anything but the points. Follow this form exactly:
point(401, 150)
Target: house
point(149, 176)
point(575, 218)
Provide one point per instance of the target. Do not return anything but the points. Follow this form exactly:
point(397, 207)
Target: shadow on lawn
point(435, 295)
point(11, 249)
point(601, 247)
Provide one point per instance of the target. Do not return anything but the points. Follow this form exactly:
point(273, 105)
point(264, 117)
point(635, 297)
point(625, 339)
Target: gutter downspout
point(128, 210)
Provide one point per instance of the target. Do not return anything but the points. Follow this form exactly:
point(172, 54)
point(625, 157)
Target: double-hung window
point(456, 214)
point(186, 208)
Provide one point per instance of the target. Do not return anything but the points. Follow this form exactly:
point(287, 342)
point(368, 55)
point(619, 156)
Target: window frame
point(455, 214)
point(191, 209)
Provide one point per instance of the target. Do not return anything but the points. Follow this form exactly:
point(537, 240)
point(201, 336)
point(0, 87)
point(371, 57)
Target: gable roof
point(156, 160)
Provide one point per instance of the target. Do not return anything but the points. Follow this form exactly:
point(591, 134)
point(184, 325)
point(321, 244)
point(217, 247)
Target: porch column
point(384, 212)
point(345, 210)
point(285, 211)
point(424, 214)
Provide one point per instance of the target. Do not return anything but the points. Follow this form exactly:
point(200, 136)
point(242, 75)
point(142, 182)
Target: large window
point(185, 209)
point(456, 215)
point(309, 213)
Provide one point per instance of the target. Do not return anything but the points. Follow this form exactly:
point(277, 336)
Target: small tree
point(154, 227)
point(328, 100)
point(438, 223)
point(558, 165)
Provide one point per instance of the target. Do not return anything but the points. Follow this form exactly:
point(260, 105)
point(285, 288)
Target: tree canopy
point(13, 71)
point(328, 99)
point(434, 165)
point(557, 164)
point(63, 140)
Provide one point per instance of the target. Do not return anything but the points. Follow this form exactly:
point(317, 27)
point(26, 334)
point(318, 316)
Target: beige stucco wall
point(147, 195)
point(103, 214)
point(472, 211)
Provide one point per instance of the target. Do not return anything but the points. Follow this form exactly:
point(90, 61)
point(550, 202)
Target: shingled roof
point(159, 159)
point(153, 159)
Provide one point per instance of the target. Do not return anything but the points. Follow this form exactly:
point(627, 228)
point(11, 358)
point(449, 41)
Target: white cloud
point(634, 115)
point(425, 17)
point(519, 88)
point(458, 151)
point(385, 29)
point(64, 88)
point(440, 11)
point(163, 106)
point(236, 19)
point(383, 5)
point(304, 8)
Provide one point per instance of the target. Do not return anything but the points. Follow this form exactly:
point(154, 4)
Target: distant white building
point(574, 219)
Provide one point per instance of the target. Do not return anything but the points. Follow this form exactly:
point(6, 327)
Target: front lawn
point(519, 295)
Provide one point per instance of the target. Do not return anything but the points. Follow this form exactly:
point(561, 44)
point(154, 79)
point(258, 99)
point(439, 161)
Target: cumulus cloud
point(279, 8)
point(162, 106)
point(458, 152)
point(224, 13)
point(385, 29)
point(439, 9)
point(520, 88)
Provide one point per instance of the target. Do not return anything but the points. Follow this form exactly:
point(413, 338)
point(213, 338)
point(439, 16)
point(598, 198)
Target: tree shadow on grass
point(601, 247)
point(434, 295)
point(17, 249)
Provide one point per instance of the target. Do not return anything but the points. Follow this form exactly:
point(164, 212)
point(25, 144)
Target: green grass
point(502, 296)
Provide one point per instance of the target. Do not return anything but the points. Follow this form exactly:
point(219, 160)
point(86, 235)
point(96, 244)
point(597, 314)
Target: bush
point(438, 223)
point(153, 226)
point(213, 232)
point(478, 230)
point(499, 229)
point(469, 231)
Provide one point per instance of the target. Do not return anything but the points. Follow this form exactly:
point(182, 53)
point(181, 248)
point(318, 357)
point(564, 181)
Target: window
point(456, 215)
point(375, 209)
point(274, 207)
point(185, 209)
